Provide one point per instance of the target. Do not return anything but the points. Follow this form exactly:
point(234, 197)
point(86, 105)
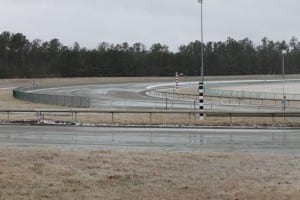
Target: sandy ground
point(67, 174)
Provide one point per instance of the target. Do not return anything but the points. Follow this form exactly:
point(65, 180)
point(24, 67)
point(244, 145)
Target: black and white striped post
point(201, 83)
point(177, 80)
point(201, 100)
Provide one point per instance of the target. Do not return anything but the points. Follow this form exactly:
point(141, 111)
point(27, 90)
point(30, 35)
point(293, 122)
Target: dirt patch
point(66, 174)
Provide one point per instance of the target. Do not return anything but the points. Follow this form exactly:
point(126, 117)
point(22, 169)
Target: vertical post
point(283, 62)
point(201, 83)
point(202, 47)
point(177, 80)
point(201, 100)
point(283, 75)
point(283, 52)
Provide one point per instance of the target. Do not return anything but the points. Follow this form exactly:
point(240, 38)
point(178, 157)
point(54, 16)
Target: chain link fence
point(28, 94)
point(211, 90)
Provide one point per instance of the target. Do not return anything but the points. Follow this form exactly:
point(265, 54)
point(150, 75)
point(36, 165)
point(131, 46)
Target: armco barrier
point(59, 100)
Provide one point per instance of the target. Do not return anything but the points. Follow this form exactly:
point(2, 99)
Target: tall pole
point(283, 64)
point(202, 47)
point(283, 52)
point(201, 83)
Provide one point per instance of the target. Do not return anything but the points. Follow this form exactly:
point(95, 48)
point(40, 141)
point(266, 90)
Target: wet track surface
point(156, 139)
point(128, 96)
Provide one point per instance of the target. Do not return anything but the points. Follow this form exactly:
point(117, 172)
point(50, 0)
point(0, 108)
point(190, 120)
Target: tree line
point(21, 58)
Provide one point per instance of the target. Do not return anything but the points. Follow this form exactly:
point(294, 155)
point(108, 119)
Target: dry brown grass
point(66, 174)
point(7, 101)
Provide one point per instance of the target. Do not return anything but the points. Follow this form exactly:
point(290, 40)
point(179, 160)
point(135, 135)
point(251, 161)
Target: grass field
point(69, 174)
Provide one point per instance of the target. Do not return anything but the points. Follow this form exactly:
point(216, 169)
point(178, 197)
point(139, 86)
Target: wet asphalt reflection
point(157, 139)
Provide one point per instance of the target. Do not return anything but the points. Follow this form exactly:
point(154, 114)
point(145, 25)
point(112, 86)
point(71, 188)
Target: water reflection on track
point(161, 139)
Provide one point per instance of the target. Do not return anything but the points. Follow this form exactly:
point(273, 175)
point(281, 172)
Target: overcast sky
point(172, 22)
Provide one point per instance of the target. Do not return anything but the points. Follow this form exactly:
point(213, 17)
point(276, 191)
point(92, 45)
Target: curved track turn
point(133, 96)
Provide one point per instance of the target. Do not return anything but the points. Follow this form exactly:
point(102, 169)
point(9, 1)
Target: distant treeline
point(21, 58)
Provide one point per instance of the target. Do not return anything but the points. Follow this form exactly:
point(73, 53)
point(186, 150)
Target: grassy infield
point(38, 173)
point(65, 174)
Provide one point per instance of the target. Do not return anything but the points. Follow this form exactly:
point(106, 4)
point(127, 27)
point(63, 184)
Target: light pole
point(201, 83)
point(202, 48)
point(283, 53)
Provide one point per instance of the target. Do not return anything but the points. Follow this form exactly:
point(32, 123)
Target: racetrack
point(132, 95)
point(154, 139)
point(120, 96)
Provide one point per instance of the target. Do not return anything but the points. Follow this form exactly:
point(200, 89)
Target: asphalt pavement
point(132, 96)
point(153, 139)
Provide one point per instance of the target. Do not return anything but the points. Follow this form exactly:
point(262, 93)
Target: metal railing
point(211, 103)
point(189, 116)
point(210, 90)
point(249, 95)
point(28, 94)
